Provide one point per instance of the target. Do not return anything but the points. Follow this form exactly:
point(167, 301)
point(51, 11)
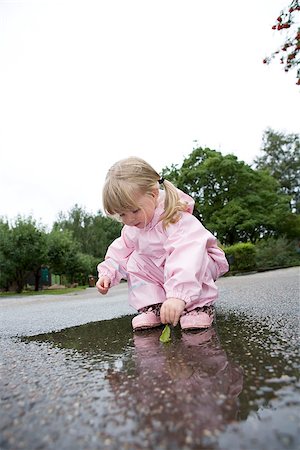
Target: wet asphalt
point(73, 375)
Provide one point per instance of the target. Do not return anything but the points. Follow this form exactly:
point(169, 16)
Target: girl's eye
point(135, 211)
point(121, 215)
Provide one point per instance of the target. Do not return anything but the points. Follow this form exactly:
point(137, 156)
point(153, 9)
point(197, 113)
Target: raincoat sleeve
point(191, 253)
point(114, 265)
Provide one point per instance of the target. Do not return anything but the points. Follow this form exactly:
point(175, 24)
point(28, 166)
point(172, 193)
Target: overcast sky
point(85, 83)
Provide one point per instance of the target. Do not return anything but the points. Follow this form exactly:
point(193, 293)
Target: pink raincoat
point(182, 261)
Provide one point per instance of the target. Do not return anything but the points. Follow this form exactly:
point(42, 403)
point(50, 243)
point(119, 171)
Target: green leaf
point(165, 335)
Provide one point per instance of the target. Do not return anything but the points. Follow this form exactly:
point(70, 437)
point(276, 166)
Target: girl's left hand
point(171, 310)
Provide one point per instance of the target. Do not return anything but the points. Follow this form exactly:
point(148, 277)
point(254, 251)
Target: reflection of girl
point(170, 260)
point(179, 392)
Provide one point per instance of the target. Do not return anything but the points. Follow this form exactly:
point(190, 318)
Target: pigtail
point(173, 206)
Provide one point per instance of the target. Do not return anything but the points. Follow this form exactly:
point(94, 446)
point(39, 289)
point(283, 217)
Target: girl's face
point(143, 214)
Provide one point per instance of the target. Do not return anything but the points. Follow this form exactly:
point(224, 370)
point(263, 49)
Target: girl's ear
point(155, 193)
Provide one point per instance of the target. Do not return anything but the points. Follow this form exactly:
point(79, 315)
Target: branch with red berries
point(288, 53)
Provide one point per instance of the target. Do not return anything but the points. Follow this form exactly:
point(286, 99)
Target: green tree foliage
point(280, 156)
point(105, 231)
point(6, 264)
point(235, 202)
point(23, 249)
point(73, 248)
point(93, 234)
point(277, 253)
point(61, 251)
point(86, 266)
point(65, 257)
point(79, 223)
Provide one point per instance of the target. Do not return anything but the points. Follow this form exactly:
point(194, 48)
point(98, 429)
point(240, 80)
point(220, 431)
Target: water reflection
point(182, 391)
point(183, 394)
point(168, 395)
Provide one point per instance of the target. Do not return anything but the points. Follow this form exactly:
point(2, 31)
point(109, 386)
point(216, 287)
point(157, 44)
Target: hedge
point(241, 256)
point(265, 254)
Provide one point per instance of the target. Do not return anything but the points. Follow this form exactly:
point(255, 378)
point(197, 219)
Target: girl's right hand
point(103, 285)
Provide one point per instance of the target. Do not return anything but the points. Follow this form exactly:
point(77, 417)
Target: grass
point(43, 292)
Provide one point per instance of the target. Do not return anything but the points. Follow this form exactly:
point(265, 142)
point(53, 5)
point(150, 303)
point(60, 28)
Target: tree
point(93, 234)
point(61, 248)
point(105, 231)
point(80, 266)
point(24, 250)
point(235, 202)
point(65, 257)
point(6, 265)
point(280, 156)
point(289, 50)
point(78, 222)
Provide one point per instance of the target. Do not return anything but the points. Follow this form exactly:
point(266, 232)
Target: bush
point(277, 253)
point(241, 256)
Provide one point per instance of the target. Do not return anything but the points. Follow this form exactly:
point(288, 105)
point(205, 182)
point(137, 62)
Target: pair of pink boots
point(198, 318)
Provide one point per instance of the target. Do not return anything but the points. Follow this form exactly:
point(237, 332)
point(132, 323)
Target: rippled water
point(232, 386)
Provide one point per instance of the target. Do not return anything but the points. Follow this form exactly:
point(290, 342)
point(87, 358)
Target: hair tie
point(161, 180)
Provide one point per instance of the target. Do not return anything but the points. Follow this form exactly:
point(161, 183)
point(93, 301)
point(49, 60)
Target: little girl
point(169, 259)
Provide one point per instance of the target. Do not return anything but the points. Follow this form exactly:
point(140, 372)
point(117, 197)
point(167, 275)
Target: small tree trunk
point(37, 277)
point(20, 282)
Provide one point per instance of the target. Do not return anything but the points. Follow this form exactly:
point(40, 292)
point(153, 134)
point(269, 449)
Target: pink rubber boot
point(198, 318)
point(149, 317)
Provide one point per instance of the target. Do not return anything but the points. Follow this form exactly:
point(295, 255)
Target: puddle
point(213, 389)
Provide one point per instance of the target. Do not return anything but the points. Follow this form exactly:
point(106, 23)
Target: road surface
point(75, 376)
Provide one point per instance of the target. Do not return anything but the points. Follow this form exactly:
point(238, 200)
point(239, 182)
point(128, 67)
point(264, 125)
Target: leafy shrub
point(241, 256)
point(277, 253)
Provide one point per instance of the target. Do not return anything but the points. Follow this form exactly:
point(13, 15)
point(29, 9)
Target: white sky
point(85, 83)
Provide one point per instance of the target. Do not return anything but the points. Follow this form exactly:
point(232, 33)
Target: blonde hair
point(131, 177)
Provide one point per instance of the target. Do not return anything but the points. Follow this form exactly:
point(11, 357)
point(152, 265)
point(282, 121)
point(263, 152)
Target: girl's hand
point(171, 310)
point(103, 285)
